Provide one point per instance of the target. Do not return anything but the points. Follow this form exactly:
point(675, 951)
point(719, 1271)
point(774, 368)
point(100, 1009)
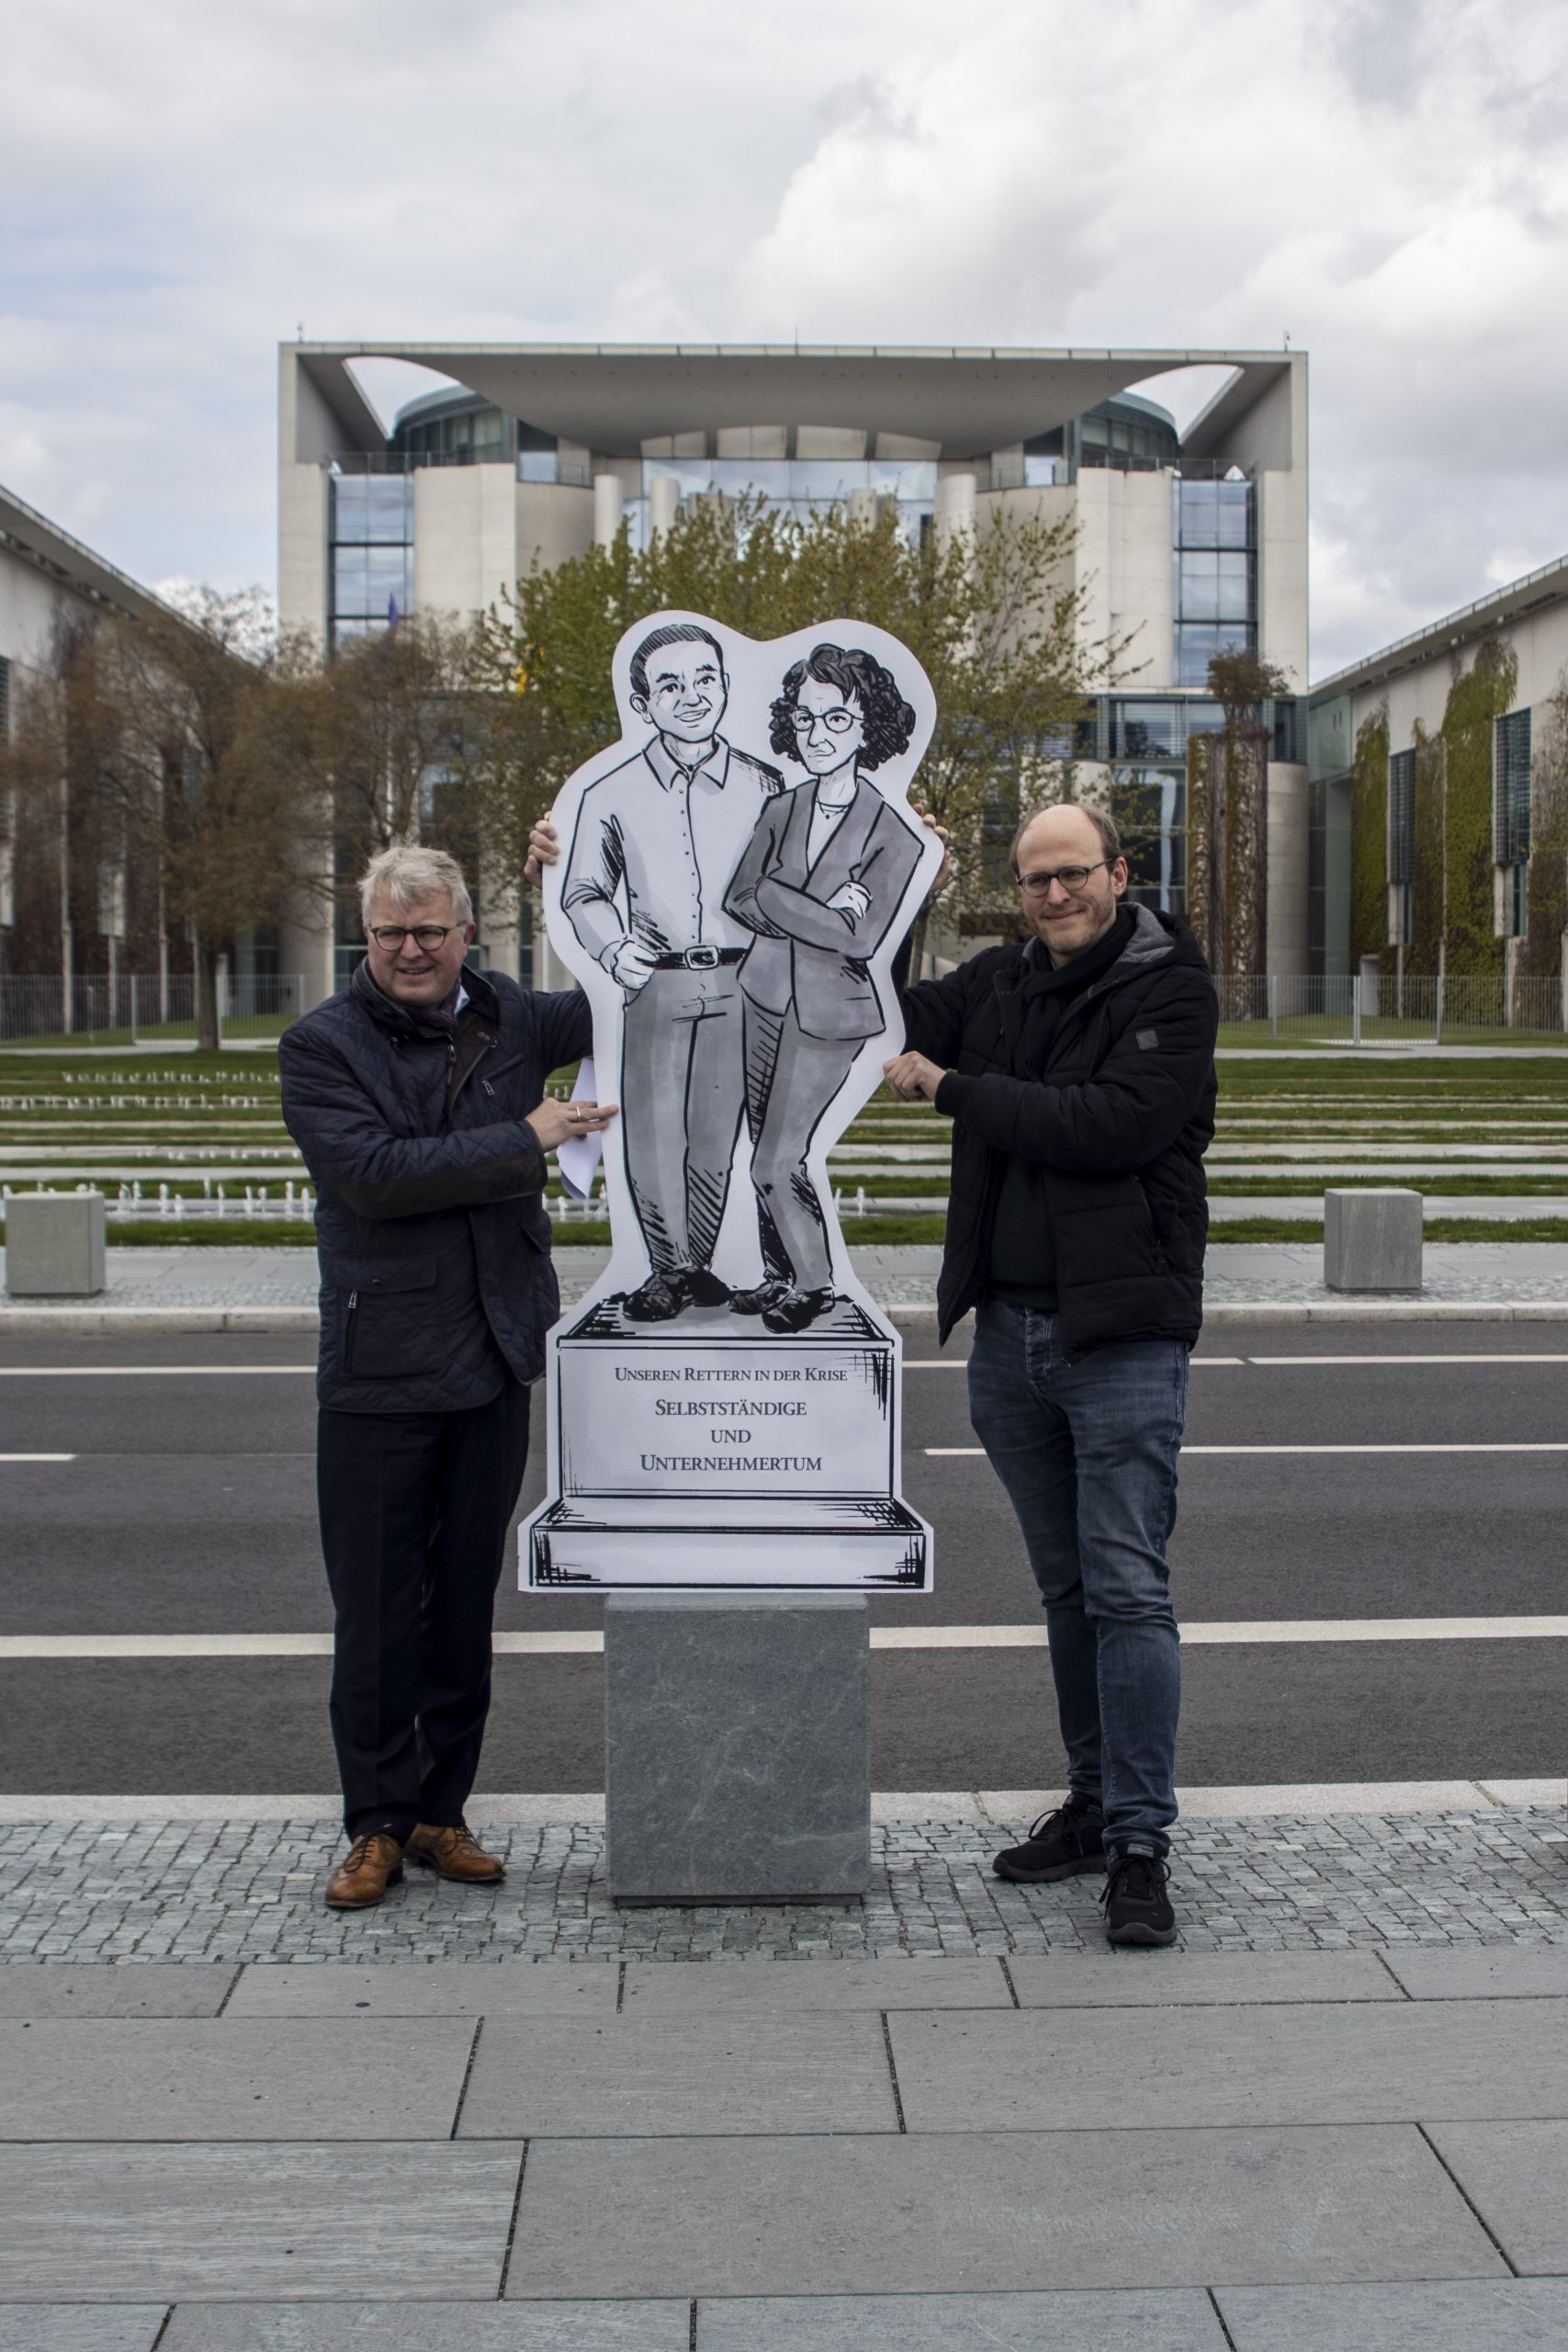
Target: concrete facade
point(47, 580)
point(1411, 681)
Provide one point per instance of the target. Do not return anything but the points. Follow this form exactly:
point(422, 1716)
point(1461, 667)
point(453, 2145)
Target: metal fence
point(135, 1008)
point(1364, 1009)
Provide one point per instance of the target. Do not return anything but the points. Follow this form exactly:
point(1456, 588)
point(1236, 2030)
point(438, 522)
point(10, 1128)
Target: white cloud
point(1385, 180)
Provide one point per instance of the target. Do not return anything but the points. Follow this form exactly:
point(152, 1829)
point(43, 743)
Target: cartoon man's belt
point(698, 959)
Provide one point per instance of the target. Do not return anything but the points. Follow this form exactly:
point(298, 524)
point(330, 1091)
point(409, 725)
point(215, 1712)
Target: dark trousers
point(414, 1509)
point(1087, 1451)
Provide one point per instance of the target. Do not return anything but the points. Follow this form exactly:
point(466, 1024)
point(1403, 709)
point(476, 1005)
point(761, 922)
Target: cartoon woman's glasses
point(837, 722)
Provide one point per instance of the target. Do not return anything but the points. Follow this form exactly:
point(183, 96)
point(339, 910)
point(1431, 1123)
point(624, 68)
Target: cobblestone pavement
point(1508, 1274)
point(238, 1891)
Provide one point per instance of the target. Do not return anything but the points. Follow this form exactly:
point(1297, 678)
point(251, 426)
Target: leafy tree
point(993, 618)
point(163, 746)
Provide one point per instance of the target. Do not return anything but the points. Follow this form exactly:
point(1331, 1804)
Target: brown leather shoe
point(455, 1854)
point(371, 1865)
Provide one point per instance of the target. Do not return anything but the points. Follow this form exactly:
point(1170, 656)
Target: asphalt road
point(189, 1508)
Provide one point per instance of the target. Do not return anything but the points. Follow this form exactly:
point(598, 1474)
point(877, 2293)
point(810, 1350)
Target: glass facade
point(1215, 564)
point(1400, 844)
point(371, 552)
point(472, 434)
point(802, 487)
point(1150, 808)
point(1129, 437)
point(1511, 788)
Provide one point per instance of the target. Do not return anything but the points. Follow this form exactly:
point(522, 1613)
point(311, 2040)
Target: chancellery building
point(1190, 539)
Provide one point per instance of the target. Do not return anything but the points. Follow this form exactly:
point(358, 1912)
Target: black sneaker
point(1137, 1909)
point(1060, 1845)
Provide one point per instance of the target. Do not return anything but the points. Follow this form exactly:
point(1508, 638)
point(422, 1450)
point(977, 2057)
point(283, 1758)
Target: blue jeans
point(1087, 1454)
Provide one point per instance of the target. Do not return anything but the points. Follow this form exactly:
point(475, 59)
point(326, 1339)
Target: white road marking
point(1551, 1447)
point(138, 1371)
point(1262, 1631)
point(961, 1363)
point(1475, 1358)
point(37, 1457)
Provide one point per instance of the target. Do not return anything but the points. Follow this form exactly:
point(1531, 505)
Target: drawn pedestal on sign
point(698, 1458)
point(735, 876)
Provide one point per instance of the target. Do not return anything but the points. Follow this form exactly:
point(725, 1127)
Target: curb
point(148, 1321)
point(985, 1808)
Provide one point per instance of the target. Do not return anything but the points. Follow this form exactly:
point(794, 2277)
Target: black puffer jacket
point(1119, 1120)
point(433, 1241)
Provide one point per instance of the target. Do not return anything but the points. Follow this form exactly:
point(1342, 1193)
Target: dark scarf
point(1048, 989)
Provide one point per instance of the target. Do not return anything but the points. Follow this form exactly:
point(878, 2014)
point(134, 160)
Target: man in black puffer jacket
point(1078, 1072)
point(417, 1096)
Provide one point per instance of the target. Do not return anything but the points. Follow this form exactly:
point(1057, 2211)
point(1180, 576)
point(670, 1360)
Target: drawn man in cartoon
point(657, 844)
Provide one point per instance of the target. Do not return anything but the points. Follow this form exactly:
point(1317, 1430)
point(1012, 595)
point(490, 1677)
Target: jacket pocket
point(392, 1322)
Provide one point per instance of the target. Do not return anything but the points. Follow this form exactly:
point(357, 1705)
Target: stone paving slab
point(352, 2223)
point(452, 2327)
point(741, 1993)
point(992, 2211)
point(558, 2077)
point(71, 1988)
point(1456, 2315)
point(154, 2078)
point(81, 2328)
point(1374, 2062)
point(1179, 1979)
point(437, 1988)
point(1516, 2175)
point(1538, 1973)
point(251, 1890)
point(1078, 2319)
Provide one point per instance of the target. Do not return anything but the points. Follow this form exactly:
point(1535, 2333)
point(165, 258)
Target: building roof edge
point(1548, 584)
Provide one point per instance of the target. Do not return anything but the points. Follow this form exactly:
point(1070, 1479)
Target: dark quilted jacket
point(433, 1242)
point(1119, 1120)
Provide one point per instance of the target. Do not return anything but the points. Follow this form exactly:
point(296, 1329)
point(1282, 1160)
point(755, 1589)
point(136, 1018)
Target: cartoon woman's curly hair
point(889, 721)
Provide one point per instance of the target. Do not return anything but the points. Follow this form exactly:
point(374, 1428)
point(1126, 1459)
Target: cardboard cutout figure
point(739, 872)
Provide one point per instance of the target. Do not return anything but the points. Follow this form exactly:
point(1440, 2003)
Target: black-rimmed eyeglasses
point(426, 936)
point(1071, 877)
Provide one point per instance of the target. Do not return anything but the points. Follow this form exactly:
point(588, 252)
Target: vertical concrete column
point(955, 496)
point(608, 498)
point(663, 504)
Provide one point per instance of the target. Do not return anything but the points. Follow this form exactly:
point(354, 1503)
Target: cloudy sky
point(1386, 181)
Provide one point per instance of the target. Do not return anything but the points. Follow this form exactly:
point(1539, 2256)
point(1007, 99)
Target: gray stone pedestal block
point(1372, 1239)
point(737, 1747)
point(54, 1244)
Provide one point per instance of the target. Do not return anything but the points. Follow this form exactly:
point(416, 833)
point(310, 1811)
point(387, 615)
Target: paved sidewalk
point(200, 1287)
point(1337, 2118)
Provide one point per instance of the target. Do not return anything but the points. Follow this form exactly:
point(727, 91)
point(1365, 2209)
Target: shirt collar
point(669, 771)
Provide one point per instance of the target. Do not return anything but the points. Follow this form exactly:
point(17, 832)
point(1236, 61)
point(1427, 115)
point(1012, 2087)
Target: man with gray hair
point(417, 1097)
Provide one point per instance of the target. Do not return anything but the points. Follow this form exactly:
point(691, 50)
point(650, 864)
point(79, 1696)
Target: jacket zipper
point(473, 1065)
point(348, 1334)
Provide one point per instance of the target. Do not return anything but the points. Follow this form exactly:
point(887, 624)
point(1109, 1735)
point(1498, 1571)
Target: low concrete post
point(1372, 1239)
point(54, 1244)
point(737, 1747)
